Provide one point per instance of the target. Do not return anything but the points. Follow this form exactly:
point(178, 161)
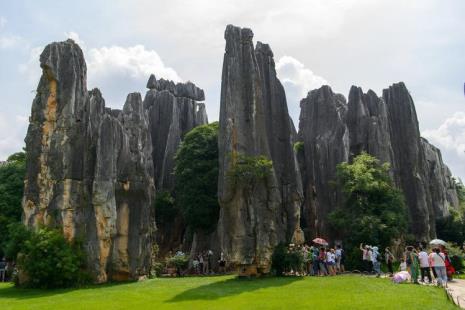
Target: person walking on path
point(424, 265)
point(322, 262)
point(389, 259)
point(375, 261)
point(438, 260)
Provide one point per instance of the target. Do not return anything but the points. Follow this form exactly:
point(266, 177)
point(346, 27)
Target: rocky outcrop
point(325, 137)
point(254, 122)
point(173, 110)
point(386, 128)
point(89, 168)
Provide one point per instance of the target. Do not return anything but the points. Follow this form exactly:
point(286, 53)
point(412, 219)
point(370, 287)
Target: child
point(403, 265)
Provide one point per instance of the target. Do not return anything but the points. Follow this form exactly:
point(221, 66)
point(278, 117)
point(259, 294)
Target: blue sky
point(367, 43)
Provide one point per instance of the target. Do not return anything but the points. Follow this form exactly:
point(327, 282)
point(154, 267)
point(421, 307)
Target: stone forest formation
point(94, 172)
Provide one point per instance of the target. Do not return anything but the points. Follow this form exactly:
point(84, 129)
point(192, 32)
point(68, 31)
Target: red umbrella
point(320, 241)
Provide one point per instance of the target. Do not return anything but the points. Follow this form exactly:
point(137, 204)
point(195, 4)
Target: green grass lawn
point(228, 292)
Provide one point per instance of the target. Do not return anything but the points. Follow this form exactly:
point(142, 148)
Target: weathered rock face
point(325, 136)
point(254, 217)
point(368, 126)
point(386, 128)
point(89, 168)
point(173, 110)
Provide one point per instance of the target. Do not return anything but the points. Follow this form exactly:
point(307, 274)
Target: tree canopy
point(12, 174)
point(196, 175)
point(374, 211)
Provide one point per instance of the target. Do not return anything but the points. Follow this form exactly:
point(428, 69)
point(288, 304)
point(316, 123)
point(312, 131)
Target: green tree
point(374, 211)
point(12, 174)
point(196, 175)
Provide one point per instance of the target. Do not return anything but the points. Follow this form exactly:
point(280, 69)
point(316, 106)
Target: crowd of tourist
point(416, 264)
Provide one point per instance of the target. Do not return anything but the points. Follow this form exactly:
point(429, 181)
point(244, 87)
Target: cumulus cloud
point(116, 70)
point(450, 138)
point(297, 81)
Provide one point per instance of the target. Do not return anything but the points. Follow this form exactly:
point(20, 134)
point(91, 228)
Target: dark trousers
point(389, 266)
point(425, 272)
point(367, 265)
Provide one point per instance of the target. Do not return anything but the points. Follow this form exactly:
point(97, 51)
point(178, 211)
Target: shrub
point(285, 259)
point(47, 259)
point(180, 261)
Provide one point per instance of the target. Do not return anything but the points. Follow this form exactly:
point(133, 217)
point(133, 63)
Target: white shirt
point(403, 266)
point(438, 260)
point(423, 257)
point(330, 257)
point(338, 253)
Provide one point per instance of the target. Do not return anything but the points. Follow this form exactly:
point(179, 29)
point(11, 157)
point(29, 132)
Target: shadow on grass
point(19, 293)
point(234, 286)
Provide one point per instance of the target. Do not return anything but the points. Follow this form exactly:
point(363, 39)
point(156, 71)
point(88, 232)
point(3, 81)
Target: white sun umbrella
point(438, 242)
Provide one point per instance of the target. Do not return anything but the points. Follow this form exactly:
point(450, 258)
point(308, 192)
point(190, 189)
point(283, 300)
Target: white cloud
point(135, 61)
point(116, 70)
point(450, 138)
point(297, 81)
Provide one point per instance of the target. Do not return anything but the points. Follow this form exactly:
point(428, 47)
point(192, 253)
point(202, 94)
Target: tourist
point(369, 261)
point(340, 255)
point(411, 258)
point(365, 258)
point(222, 263)
point(195, 265)
point(209, 261)
point(201, 262)
point(322, 262)
point(389, 259)
point(438, 260)
point(424, 265)
point(316, 262)
point(375, 261)
point(2, 270)
point(331, 262)
point(307, 259)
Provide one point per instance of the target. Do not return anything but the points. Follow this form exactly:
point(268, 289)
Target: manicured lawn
point(227, 292)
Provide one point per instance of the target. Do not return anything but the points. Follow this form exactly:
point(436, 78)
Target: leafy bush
point(180, 261)
point(47, 259)
point(250, 169)
point(285, 259)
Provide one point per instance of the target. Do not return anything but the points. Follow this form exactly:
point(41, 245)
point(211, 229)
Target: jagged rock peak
point(264, 49)
point(58, 52)
point(188, 89)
